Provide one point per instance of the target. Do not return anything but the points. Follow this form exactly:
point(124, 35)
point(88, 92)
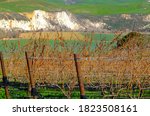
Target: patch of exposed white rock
point(39, 20)
point(42, 20)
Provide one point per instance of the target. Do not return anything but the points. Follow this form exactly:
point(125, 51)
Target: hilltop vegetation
point(96, 7)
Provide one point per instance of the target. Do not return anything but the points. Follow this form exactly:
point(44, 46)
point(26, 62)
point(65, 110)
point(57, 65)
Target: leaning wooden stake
point(80, 79)
point(33, 89)
point(5, 81)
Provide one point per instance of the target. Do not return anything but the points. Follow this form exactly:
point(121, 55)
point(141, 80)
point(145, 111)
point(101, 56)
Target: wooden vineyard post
point(80, 79)
point(5, 81)
point(33, 89)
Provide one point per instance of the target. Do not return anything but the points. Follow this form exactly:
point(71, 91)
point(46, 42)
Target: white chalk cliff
point(63, 20)
point(42, 20)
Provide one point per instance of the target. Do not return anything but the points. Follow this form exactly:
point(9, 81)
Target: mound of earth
point(133, 40)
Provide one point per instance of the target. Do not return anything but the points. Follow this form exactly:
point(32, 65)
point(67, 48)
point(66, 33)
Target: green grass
point(107, 8)
point(12, 45)
point(2, 93)
point(27, 5)
point(7, 45)
point(96, 7)
point(56, 93)
point(18, 92)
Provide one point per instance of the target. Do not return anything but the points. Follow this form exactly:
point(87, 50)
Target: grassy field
point(21, 92)
point(69, 39)
point(96, 7)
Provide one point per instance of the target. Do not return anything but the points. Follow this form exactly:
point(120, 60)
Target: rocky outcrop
point(39, 20)
point(10, 21)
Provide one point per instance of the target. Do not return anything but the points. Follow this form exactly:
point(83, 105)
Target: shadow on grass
point(19, 90)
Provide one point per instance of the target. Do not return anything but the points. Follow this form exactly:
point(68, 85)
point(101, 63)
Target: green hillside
point(29, 5)
point(94, 7)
